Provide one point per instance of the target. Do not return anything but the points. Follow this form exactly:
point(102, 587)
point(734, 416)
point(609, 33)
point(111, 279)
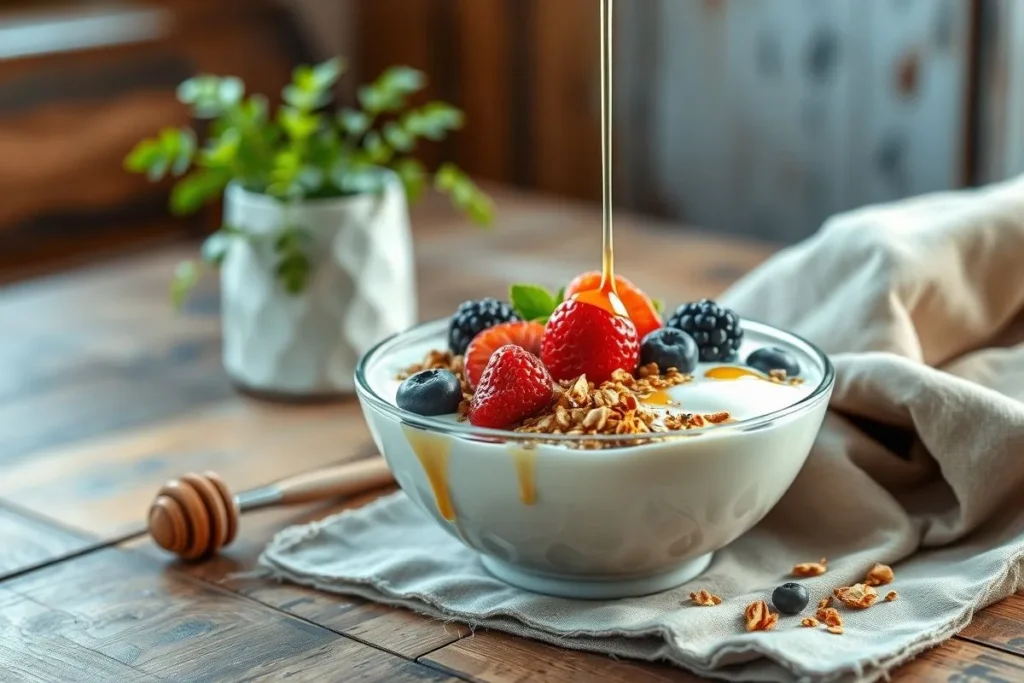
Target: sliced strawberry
point(514, 386)
point(525, 334)
point(638, 305)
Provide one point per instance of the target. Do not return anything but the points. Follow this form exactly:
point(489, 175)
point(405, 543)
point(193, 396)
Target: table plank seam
point(40, 518)
point(990, 645)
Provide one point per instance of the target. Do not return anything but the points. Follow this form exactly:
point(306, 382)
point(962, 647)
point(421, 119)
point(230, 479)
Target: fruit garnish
point(641, 309)
point(472, 317)
point(514, 386)
point(772, 358)
point(430, 392)
point(790, 598)
point(716, 329)
point(520, 333)
point(667, 348)
point(580, 339)
point(533, 302)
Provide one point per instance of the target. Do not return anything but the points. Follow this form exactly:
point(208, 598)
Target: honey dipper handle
point(331, 482)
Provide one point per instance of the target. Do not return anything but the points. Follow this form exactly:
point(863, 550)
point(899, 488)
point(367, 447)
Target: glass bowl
point(637, 518)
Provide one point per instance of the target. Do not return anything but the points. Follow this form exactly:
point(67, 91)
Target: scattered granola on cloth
point(919, 467)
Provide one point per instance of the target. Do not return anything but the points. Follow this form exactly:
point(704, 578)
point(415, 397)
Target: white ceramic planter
point(361, 289)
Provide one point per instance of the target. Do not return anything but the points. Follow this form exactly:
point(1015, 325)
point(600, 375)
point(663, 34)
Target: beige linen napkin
point(920, 465)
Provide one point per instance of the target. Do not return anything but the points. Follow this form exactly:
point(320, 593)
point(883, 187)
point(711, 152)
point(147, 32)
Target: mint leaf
point(659, 305)
point(532, 302)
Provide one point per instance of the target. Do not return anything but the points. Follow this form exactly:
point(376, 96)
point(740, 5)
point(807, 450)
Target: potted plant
point(315, 253)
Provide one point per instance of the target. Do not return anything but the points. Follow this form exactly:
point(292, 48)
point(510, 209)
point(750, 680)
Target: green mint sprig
point(533, 302)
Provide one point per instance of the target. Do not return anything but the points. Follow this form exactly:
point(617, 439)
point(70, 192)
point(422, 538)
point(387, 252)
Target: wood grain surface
point(106, 393)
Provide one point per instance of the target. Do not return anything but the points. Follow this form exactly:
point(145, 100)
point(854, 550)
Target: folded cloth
point(920, 465)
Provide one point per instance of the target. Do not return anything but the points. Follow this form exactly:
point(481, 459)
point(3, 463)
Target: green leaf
point(297, 125)
point(284, 173)
point(303, 100)
point(396, 136)
point(464, 193)
point(532, 302)
point(326, 74)
point(172, 150)
point(196, 189)
point(433, 120)
point(350, 179)
point(413, 175)
point(353, 122)
point(310, 178)
point(377, 151)
point(215, 247)
point(659, 305)
point(389, 91)
point(222, 151)
point(210, 96)
point(293, 267)
point(186, 275)
point(143, 156)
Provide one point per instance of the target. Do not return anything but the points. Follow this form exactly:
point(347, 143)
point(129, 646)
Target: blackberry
point(473, 317)
point(716, 329)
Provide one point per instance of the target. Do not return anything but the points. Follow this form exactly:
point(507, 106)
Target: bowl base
point(596, 589)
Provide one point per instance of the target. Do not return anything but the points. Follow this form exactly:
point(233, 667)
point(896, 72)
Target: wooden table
point(105, 393)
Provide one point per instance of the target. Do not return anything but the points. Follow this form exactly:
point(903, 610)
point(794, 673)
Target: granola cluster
point(780, 377)
point(616, 406)
point(758, 615)
point(580, 407)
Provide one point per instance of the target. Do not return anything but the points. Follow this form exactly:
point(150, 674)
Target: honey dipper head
point(193, 516)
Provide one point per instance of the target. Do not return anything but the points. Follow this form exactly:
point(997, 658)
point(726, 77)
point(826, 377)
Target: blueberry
point(790, 598)
point(669, 348)
point(430, 392)
point(773, 358)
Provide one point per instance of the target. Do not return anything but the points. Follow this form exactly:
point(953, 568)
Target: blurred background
point(739, 117)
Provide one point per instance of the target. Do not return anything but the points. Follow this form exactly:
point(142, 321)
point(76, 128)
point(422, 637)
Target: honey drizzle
point(658, 398)
point(729, 372)
point(525, 461)
point(432, 451)
point(606, 296)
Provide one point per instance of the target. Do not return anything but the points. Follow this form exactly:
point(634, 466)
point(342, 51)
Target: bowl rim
point(466, 430)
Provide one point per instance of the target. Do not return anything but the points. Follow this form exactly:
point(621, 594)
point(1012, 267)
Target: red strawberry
point(641, 309)
point(514, 386)
point(581, 338)
point(524, 334)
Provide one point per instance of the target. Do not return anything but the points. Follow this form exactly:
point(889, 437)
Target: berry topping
point(430, 392)
point(473, 317)
point(584, 339)
point(790, 598)
point(514, 386)
point(525, 334)
point(641, 309)
point(669, 348)
point(773, 358)
point(716, 329)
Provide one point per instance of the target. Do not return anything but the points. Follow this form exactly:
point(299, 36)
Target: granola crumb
point(879, 575)
point(825, 602)
point(809, 622)
point(890, 596)
point(811, 568)
point(759, 618)
point(857, 596)
point(705, 599)
point(838, 630)
point(829, 616)
point(580, 407)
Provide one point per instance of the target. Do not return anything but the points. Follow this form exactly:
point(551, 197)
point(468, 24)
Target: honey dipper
point(197, 515)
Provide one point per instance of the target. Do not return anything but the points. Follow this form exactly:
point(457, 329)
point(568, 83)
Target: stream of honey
point(433, 450)
point(606, 296)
